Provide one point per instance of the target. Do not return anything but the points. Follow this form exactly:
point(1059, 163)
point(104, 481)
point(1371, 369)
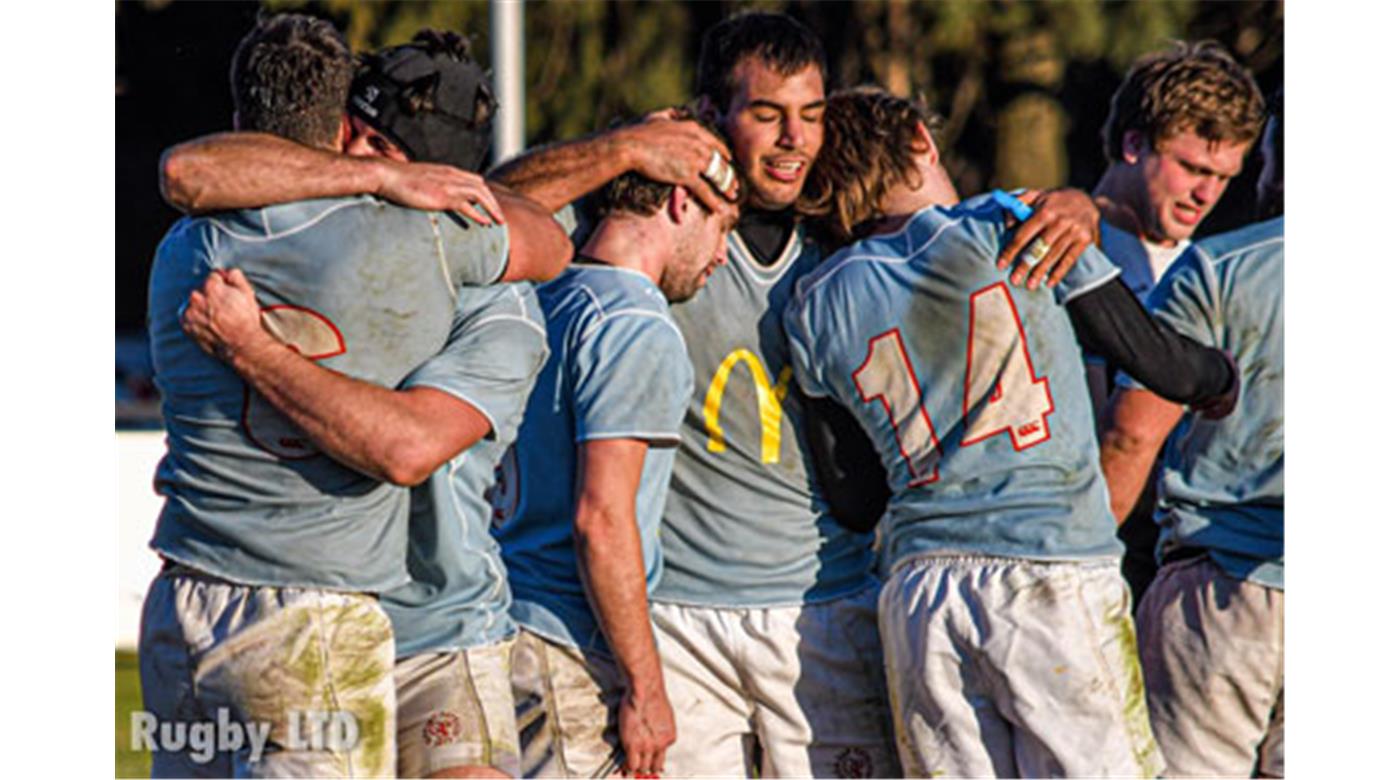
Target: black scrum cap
point(430, 97)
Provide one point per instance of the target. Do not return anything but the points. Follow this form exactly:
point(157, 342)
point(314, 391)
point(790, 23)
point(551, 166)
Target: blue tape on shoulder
point(1021, 211)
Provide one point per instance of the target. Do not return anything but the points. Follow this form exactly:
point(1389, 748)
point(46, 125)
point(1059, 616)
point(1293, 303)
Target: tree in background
point(1024, 85)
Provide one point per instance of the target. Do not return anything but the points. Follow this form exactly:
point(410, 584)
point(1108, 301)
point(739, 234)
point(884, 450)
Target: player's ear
point(676, 203)
point(346, 132)
point(924, 142)
point(1134, 146)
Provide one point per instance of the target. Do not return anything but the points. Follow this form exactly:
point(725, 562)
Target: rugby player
point(1210, 627)
point(1004, 618)
point(581, 496)
point(1177, 132)
point(765, 613)
point(455, 709)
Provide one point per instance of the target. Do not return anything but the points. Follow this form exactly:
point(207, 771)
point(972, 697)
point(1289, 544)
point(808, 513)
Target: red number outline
point(889, 411)
point(996, 392)
point(248, 391)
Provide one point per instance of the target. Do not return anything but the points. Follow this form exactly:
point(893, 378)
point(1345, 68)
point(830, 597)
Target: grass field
point(129, 763)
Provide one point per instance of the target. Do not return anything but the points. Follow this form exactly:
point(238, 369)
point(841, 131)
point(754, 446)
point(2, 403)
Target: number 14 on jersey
point(999, 376)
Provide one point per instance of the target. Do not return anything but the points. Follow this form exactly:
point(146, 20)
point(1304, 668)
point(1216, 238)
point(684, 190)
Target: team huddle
point(730, 441)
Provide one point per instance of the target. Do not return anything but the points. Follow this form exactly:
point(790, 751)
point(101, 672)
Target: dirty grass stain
point(1135, 697)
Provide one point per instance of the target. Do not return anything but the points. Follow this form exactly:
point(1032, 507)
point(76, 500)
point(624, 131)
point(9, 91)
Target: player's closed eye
point(379, 143)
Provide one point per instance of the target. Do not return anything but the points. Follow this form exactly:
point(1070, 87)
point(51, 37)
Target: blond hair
point(1189, 87)
point(871, 142)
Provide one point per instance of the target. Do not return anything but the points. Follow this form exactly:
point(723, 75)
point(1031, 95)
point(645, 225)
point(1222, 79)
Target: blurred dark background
point(1024, 85)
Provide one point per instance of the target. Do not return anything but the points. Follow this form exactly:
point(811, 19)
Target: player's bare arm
point(663, 149)
point(394, 436)
point(249, 170)
point(539, 247)
point(1139, 423)
point(614, 576)
point(1067, 221)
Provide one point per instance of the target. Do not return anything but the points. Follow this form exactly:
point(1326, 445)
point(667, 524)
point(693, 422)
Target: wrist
point(622, 145)
point(253, 351)
point(375, 173)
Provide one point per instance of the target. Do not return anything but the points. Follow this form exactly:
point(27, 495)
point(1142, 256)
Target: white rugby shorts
point(801, 686)
point(1014, 668)
point(1212, 658)
point(279, 658)
point(456, 710)
point(566, 703)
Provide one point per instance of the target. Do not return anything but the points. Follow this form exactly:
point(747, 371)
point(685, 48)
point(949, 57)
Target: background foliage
point(1024, 85)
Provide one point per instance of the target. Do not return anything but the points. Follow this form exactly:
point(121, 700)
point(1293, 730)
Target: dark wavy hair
point(779, 41)
point(291, 76)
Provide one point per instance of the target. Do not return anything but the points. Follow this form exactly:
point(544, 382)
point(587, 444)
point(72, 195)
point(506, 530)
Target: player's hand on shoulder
point(1221, 405)
point(435, 187)
point(1064, 224)
point(223, 316)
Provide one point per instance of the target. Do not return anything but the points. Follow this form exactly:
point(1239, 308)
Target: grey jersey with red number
point(362, 287)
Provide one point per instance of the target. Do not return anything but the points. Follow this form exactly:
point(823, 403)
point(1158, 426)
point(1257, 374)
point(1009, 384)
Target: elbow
point(406, 463)
point(595, 528)
point(174, 171)
point(561, 252)
point(404, 474)
point(554, 249)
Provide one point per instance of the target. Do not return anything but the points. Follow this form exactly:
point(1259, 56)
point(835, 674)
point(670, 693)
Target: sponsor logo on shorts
point(201, 740)
point(854, 762)
point(442, 728)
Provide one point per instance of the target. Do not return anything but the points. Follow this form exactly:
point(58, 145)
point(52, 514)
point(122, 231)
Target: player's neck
point(1118, 198)
point(935, 189)
point(629, 242)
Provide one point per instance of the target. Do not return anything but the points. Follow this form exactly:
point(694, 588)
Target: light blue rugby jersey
point(1222, 481)
point(617, 369)
point(459, 597)
point(972, 390)
point(365, 288)
point(746, 523)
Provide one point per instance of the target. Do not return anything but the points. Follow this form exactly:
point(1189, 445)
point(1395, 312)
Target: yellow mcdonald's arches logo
point(770, 399)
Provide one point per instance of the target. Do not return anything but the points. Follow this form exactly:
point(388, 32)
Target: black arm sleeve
point(1110, 321)
point(851, 474)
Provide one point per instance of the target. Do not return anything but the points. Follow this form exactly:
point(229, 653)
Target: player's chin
point(774, 196)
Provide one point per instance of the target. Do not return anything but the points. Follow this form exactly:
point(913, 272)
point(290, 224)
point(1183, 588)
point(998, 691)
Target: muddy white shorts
point(1014, 668)
point(456, 710)
point(1212, 659)
point(566, 703)
point(249, 681)
point(792, 691)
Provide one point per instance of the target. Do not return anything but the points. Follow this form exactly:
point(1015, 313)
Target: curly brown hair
point(291, 77)
point(1189, 87)
point(871, 140)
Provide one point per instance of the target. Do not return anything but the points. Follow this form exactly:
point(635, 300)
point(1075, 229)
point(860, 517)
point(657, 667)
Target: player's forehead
point(375, 139)
point(1222, 157)
point(755, 81)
